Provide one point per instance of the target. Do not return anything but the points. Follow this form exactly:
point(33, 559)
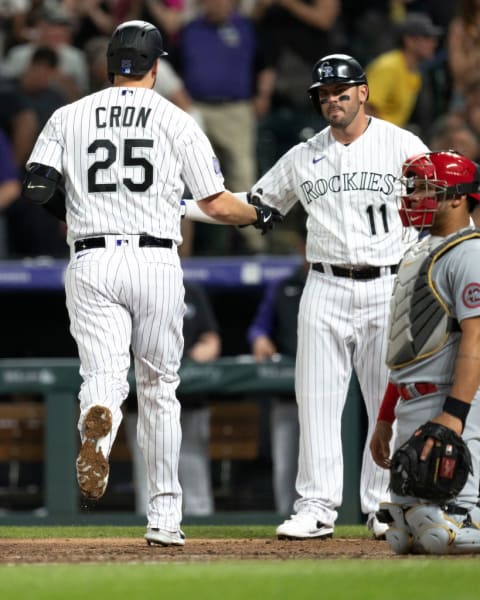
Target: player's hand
point(267, 217)
point(263, 348)
point(447, 420)
point(380, 444)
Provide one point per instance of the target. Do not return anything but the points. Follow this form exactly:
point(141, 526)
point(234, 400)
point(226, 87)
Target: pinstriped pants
point(342, 325)
point(124, 297)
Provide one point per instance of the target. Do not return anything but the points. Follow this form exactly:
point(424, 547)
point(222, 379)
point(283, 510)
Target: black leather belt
point(355, 272)
point(143, 241)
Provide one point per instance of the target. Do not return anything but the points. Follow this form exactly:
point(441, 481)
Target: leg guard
point(438, 533)
point(398, 535)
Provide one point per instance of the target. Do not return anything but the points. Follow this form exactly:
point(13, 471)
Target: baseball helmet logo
point(326, 70)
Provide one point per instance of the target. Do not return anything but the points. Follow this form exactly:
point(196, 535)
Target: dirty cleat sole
point(92, 466)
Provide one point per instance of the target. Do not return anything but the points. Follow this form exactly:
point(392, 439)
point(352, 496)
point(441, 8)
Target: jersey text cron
point(121, 116)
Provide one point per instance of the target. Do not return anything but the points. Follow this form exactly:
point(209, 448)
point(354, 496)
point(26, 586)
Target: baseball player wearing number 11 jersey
point(345, 177)
point(123, 157)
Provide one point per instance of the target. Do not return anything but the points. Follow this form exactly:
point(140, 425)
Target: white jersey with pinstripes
point(349, 193)
point(126, 155)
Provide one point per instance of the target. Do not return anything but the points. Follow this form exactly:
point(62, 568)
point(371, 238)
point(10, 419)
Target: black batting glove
point(267, 217)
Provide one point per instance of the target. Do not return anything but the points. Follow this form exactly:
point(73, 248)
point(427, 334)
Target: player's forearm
point(228, 209)
point(387, 408)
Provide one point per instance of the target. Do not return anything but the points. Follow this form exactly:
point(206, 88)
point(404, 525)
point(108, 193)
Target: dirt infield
point(123, 550)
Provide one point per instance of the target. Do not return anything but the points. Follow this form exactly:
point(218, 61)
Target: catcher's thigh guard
point(398, 535)
point(438, 533)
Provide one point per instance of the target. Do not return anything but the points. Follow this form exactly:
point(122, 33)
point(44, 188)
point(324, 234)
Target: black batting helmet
point(133, 49)
point(335, 68)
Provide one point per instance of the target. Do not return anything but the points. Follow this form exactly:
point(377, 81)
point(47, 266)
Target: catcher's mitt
point(439, 478)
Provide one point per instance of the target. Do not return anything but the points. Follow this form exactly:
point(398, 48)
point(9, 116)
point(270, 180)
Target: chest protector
point(420, 321)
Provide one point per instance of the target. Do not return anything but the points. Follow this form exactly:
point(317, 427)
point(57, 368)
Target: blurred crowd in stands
point(242, 68)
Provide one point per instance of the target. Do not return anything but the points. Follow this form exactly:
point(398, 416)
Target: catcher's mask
point(429, 178)
point(335, 69)
point(133, 49)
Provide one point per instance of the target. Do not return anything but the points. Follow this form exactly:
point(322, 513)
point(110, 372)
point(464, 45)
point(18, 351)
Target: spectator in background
point(45, 84)
point(226, 98)
point(471, 105)
point(96, 57)
point(54, 30)
point(451, 132)
point(273, 332)
point(10, 188)
point(12, 14)
point(92, 18)
point(18, 120)
point(26, 102)
point(463, 48)
point(167, 15)
point(202, 344)
point(9, 181)
point(395, 77)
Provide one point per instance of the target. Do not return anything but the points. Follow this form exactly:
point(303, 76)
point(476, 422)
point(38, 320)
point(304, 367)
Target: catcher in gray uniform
point(434, 357)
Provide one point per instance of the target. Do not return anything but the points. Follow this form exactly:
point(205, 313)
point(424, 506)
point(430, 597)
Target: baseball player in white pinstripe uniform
point(345, 177)
point(123, 156)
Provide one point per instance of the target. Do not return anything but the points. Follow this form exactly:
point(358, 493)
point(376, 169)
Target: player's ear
point(363, 93)
point(457, 200)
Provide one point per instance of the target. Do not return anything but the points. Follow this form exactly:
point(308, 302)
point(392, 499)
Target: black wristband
point(456, 408)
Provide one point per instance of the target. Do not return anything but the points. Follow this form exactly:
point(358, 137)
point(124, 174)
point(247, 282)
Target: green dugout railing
point(58, 381)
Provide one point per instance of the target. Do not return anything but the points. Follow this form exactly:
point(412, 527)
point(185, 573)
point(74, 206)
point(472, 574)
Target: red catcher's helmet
point(431, 177)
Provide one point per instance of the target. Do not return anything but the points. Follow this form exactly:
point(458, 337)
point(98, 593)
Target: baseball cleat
point(303, 526)
point(377, 528)
point(164, 538)
point(92, 466)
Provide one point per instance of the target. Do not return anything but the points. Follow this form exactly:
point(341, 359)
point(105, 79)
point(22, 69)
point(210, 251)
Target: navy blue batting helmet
point(133, 49)
point(335, 68)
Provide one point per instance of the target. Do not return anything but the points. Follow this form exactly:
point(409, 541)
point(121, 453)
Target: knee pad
point(435, 532)
point(399, 536)
point(400, 540)
point(424, 515)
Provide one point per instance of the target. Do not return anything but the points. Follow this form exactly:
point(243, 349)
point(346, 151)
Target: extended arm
point(226, 208)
